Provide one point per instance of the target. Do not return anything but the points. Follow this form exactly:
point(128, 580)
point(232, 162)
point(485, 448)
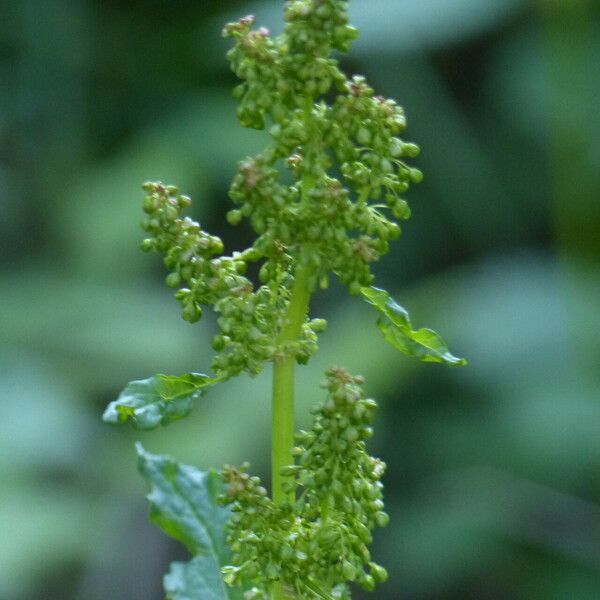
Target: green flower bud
point(318, 325)
point(379, 574)
point(386, 166)
point(192, 312)
point(416, 176)
point(147, 245)
point(363, 136)
point(348, 570)
point(382, 519)
point(351, 435)
point(234, 217)
point(412, 150)
point(363, 533)
point(367, 582)
point(173, 280)
point(218, 343)
point(183, 294)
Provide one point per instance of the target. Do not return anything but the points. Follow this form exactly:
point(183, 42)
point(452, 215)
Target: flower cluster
point(249, 320)
point(323, 538)
point(315, 218)
point(364, 137)
point(314, 221)
point(278, 74)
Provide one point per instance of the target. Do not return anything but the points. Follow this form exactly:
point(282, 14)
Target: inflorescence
point(325, 197)
point(324, 535)
point(325, 194)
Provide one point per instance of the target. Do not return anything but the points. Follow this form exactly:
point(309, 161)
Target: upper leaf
point(159, 400)
point(424, 344)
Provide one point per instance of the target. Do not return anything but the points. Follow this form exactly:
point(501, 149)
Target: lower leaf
point(183, 503)
point(199, 579)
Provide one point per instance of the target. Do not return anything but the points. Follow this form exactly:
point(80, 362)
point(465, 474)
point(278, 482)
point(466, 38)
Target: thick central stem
point(282, 425)
point(282, 430)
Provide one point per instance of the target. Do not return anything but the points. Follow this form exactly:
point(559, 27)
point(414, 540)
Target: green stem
point(282, 427)
point(282, 430)
point(282, 424)
point(282, 416)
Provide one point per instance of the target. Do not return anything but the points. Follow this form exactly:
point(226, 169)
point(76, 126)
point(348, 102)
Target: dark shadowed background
point(493, 483)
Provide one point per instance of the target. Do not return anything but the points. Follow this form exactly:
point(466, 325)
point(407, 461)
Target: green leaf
point(424, 344)
point(199, 578)
point(183, 503)
point(159, 400)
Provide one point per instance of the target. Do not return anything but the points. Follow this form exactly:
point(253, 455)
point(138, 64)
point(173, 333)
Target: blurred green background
point(493, 483)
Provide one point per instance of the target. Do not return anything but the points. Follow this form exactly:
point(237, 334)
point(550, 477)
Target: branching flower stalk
point(324, 198)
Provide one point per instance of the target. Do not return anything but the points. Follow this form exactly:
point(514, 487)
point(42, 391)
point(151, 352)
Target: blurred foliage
point(493, 482)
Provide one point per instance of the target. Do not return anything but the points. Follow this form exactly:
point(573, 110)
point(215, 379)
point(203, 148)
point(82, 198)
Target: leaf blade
point(158, 400)
point(183, 503)
point(198, 578)
point(395, 325)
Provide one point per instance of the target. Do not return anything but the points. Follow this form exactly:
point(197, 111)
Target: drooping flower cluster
point(321, 540)
point(249, 319)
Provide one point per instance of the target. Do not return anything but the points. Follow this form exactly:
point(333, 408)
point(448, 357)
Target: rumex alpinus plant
point(323, 198)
